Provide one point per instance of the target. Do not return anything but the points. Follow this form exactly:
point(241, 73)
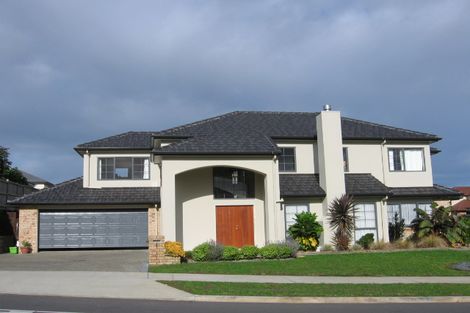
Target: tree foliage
point(342, 220)
point(7, 171)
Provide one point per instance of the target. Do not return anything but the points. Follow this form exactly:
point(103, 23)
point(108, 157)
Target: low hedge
point(231, 253)
point(250, 252)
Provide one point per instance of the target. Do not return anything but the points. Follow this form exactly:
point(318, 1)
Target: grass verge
point(401, 263)
point(320, 290)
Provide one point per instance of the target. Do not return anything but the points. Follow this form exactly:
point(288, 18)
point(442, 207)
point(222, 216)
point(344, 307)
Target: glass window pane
point(232, 183)
point(287, 160)
point(123, 168)
point(391, 210)
point(413, 159)
point(408, 212)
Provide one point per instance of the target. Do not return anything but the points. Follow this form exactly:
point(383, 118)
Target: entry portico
point(188, 203)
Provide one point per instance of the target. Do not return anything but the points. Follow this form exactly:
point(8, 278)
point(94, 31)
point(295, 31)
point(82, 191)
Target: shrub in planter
point(249, 252)
point(188, 254)
point(366, 241)
point(306, 230)
point(231, 253)
point(208, 251)
point(278, 251)
point(328, 248)
point(174, 249)
point(356, 247)
point(26, 247)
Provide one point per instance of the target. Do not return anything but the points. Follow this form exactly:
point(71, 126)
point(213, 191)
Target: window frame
point(295, 160)
point(402, 150)
point(416, 205)
point(99, 175)
point(375, 230)
point(248, 193)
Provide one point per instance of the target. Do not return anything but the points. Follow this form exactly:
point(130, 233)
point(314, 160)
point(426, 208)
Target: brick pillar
point(28, 227)
point(153, 228)
point(157, 252)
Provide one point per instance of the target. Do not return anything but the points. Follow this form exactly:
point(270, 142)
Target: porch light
point(235, 177)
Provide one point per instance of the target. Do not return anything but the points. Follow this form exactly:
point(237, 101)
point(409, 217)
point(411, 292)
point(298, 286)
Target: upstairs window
point(345, 160)
point(406, 159)
point(233, 183)
point(287, 160)
point(123, 168)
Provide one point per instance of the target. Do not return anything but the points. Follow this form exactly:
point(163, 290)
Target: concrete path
point(78, 260)
point(312, 279)
point(87, 284)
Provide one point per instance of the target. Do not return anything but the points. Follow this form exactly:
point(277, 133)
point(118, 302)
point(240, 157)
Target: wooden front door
point(235, 225)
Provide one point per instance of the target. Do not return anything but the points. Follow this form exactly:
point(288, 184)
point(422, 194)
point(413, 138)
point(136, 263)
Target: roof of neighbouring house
point(33, 179)
point(308, 185)
point(465, 190)
point(249, 132)
point(462, 206)
point(436, 192)
point(72, 192)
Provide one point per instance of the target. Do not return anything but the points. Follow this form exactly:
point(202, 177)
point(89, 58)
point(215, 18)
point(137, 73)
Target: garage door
point(110, 229)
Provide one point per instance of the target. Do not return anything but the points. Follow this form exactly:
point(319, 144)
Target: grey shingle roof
point(364, 185)
point(305, 185)
point(435, 192)
point(72, 192)
point(251, 133)
point(300, 185)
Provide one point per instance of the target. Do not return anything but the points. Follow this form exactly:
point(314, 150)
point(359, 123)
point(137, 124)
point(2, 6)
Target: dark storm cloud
point(74, 71)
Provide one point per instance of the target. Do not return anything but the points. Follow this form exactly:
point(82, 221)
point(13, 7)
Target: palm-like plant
point(342, 220)
point(441, 222)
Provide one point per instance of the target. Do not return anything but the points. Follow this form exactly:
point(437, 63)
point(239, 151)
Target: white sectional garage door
point(102, 229)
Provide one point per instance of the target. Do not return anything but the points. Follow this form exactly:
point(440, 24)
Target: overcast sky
point(75, 71)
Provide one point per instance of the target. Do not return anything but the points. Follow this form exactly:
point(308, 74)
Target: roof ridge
point(203, 121)
point(389, 127)
point(47, 189)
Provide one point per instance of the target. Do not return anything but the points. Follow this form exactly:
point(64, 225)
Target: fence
point(8, 220)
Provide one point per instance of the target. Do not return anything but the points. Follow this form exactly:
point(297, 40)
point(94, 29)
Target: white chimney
point(330, 160)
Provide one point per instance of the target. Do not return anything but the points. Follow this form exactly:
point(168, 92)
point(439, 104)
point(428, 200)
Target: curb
point(331, 300)
point(286, 300)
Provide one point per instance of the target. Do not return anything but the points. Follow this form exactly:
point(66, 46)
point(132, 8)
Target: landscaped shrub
point(396, 228)
point(188, 254)
point(441, 222)
point(208, 251)
point(249, 252)
point(306, 230)
point(278, 251)
point(403, 244)
point(342, 220)
point(356, 247)
point(231, 253)
point(381, 245)
point(328, 248)
point(466, 227)
point(366, 241)
point(174, 248)
point(431, 241)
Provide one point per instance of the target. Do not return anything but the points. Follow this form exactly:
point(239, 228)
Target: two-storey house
point(237, 178)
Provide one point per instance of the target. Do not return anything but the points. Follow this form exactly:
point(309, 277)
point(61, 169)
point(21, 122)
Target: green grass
point(321, 290)
point(402, 263)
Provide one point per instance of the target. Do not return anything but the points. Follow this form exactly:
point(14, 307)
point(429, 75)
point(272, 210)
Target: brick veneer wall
point(28, 227)
point(156, 249)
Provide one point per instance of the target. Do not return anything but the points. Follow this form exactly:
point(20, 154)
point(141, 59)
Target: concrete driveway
point(79, 260)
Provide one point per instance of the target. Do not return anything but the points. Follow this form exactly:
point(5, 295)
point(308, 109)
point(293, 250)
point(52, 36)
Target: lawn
point(400, 263)
point(321, 290)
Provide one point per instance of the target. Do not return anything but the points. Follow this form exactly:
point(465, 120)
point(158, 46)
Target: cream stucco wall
point(372, 158)
point(90, 169)
point(196, 208)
